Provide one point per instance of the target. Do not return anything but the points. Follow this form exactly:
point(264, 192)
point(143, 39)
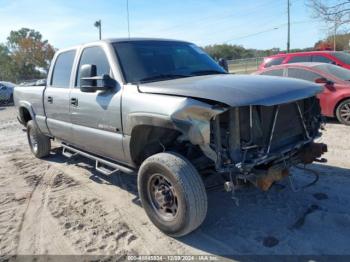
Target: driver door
point(96, 117)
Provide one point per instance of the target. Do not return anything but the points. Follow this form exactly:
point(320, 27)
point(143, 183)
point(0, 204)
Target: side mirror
point(223, 64)
point(90, 82)
point(328, 83)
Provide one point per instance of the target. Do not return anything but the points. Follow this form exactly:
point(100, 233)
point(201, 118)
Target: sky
point(259, 24)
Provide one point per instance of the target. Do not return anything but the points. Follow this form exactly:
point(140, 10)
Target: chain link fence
point(244, 66)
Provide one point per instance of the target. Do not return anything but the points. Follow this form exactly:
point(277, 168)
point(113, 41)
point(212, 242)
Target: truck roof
point(136, 39)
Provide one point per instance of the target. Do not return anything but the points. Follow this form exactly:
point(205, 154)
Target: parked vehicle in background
point(330, 57)
point(6, 92)
point(335, 99)
point(34, 82)
point(166, 110)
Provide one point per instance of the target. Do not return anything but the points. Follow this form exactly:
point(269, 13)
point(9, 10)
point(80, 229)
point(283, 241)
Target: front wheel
point(343, 112)
point(172, 193)
point(39, 144)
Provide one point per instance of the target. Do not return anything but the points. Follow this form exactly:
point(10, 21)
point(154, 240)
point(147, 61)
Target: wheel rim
point(163, 197)
point(33, 140)
point(345, 112)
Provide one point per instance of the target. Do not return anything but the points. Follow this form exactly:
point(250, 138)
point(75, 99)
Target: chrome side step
point(102, 165)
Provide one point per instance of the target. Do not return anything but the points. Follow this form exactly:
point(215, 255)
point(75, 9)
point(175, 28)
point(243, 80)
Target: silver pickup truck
point(165, 110)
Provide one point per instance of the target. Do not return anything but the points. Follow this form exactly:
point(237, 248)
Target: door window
point(278, 72)
point(274, 61)
point(322, 59)
point(300, 59)
point(303, 74)
point(62, 69)
point(94, 56)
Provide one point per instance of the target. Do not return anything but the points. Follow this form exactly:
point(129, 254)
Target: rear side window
point(278, 72)
point(303, 74)
point(322, 59)
point(299, 59)
point(62, 69)
point(94, 56)
point(274, 61)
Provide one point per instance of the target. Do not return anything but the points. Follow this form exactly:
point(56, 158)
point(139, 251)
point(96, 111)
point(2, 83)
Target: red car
point(331, 57)
point(335, 99)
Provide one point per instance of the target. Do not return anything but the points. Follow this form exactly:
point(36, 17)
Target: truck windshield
point(148, 61)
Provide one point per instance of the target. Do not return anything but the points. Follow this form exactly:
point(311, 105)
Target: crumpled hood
point(236, 90)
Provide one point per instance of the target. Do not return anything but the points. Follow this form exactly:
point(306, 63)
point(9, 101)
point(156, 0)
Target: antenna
point(127, 17)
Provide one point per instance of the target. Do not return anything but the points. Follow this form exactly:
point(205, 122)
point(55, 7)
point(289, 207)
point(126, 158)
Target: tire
point(186, 190)
point(343, 112)
point(39, 144)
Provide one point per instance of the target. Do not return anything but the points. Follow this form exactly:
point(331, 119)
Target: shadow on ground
point(287, 220)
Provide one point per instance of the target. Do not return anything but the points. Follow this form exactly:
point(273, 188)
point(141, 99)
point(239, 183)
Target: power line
point(268, 30)
point(217, 17)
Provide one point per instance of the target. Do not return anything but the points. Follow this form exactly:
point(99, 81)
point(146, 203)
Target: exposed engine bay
point(261, 143)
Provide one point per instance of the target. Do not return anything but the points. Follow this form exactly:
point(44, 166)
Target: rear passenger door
point(56, 96)
point(96, 116)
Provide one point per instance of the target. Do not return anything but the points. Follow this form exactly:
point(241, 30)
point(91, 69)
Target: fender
point(28, 106)
point(340, 95)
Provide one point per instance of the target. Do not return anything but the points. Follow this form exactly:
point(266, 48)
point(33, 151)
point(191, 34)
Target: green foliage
point(25, 56)
point(6, 64)
point(237, 52)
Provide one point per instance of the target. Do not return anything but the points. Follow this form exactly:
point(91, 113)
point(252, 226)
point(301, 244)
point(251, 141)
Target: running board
point(102, 165)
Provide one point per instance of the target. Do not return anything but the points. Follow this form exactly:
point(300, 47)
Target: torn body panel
point(254, 141)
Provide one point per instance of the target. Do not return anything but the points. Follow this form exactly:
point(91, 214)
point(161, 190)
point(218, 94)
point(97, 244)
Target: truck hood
point(236, 90)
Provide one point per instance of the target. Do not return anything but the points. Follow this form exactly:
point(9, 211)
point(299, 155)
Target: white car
point(6, 92)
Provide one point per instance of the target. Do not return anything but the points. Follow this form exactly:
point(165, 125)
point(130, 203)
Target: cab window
point(62, 69)
point(94, 56)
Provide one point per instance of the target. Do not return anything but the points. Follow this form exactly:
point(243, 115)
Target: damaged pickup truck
point(166, 110)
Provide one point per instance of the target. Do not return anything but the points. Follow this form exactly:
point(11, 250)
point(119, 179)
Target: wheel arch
point(147, 140)
point(342, 99)
point(25, 113)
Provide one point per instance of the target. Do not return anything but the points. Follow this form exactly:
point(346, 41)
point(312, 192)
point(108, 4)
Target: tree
point(30, 53)
point(7, 69)
point(336, 13)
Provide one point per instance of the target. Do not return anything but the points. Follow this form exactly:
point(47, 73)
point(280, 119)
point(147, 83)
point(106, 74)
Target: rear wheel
point(39, 144)
point(172, 193)
point(343, 112)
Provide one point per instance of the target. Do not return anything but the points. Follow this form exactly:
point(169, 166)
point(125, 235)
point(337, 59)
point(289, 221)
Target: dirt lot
point(60, 206)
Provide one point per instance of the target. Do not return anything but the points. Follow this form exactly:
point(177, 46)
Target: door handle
point(74, 101)
point(50, 99)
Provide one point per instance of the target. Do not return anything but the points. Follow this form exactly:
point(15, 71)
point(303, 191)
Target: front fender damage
point(193, 120)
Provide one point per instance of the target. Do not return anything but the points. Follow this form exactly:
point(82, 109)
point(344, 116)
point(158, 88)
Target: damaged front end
point(256, 143)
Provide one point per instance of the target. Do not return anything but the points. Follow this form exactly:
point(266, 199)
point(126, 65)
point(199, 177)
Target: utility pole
point(98, 24)
point(127, 17)
point(288, 33)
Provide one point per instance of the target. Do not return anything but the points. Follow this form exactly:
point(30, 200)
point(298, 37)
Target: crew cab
point(167, 111)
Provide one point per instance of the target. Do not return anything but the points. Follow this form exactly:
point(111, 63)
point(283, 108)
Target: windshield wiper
point(207, 72)
point(162, 77)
